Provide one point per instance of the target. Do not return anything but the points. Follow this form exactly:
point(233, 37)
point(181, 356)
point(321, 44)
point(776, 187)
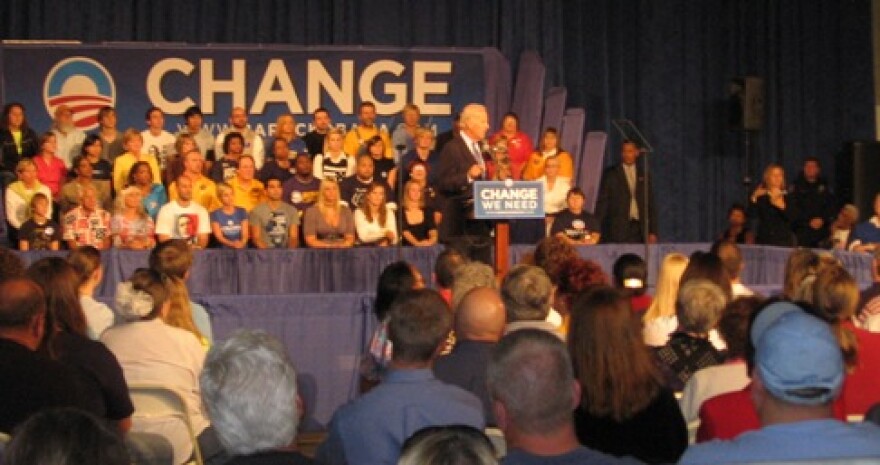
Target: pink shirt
point(52, 173)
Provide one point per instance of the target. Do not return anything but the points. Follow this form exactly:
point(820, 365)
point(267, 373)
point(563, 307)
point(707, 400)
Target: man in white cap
point(798, 374)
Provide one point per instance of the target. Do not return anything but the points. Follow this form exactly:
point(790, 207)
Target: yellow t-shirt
point(204, 193)
point(250, 197)
point(122, 165)
point(358, 136)
point(534, 168)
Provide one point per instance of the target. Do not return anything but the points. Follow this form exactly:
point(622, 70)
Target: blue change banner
point(266, 81)
point(495, 200)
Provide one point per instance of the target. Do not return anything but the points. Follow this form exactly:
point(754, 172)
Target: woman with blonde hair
point(131, 226)
point(624, 408)
point(660, 320)
point(329, 224)
point(334, 162)
point(448, 445)
point(419, 228)
point(773, 209)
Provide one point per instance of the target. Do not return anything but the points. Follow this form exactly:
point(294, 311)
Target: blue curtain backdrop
point(663, 64)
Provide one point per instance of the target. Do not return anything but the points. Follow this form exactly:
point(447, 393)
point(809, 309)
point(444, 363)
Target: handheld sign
point(504, 200)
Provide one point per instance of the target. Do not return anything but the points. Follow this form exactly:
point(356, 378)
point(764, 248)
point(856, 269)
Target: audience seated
point(355, 140)
point(732, 375)
point(87, 224)
point(732, 260)
point(134, 144)
point(869, 300)
point(72, 190)
point(470, 275)
point(479, 324)
point(39, 232)
point(841, 229)
point(800, 264)
point(173, 260)
point(274, 223)
point(660, 318)
point(699, 306)
point(556, 187)
point(517, 143)
point(285, 129)
point(229, 223)
point(204, 190)
point(836, 297)
point(66, 436)
point(321, 124)
point(17, 140)
point(424, 152)
point(737, 226)
point(404, 135)
point(224, 168)
point(66, 340)
point(50, 169)
point(446, 445)
point(31, 380)
point(624, 409)
point(533, 392)
point(395, 279)
point(253, 143)
point(332, 161)
point(549, 148)
point(419, 227)
point(445, 266)
point(154, 352)
point(527, 292)
point(374, 221)
point(630, 274)
point(19, 194)
point(328, 224)
point(247, 191)
point(112, 145)
point(250, 394)
point(131, 226)
point(183, 218)
point(193, 119)
point(102, 170)
point(578, 276)
point(866, 235)
point(353, 188)
point(384, 169)
point(574, 225)
point(301, 190)
point(279, 166)
point(86, 261)
point(158, 143)
point(372, 428)
point(152, 192)
point(68, 138)
point(799, 371)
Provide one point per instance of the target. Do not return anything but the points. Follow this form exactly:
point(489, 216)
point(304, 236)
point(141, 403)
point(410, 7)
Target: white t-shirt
point(181, 222)
point(99, 317)
point(152, 352)
point(161, 146)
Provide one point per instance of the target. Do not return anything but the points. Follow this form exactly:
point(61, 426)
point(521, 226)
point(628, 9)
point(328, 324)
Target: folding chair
point(153, 401)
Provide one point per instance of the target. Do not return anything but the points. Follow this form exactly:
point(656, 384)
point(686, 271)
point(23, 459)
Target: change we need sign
point(498, 200)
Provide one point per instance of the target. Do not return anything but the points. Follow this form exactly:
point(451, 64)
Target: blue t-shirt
point(230, 225)
point(153, 202)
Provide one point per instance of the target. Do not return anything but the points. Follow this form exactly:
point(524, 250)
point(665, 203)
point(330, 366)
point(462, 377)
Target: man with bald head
point(29, 381)
point(479, 324)
point(253, 143)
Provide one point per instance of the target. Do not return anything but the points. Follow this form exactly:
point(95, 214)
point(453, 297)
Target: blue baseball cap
point(797, 357)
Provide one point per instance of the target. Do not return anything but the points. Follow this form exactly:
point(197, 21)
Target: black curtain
point(664, 65)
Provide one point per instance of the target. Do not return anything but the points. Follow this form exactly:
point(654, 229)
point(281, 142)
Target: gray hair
point(249, 391)
point(700, 304)
point(531, 374)
point(468, 276)
point(526, 292)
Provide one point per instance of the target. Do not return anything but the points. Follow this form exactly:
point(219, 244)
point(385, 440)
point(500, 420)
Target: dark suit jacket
point(453, 186)
point(612, 206)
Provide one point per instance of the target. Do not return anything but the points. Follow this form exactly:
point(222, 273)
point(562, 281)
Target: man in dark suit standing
point(621, 203)
point(461, 163)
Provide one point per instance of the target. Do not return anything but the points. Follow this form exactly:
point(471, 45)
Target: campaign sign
point(496, 200)
point(266, 81)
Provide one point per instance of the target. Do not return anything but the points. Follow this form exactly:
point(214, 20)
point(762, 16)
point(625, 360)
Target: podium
point(502, 201)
